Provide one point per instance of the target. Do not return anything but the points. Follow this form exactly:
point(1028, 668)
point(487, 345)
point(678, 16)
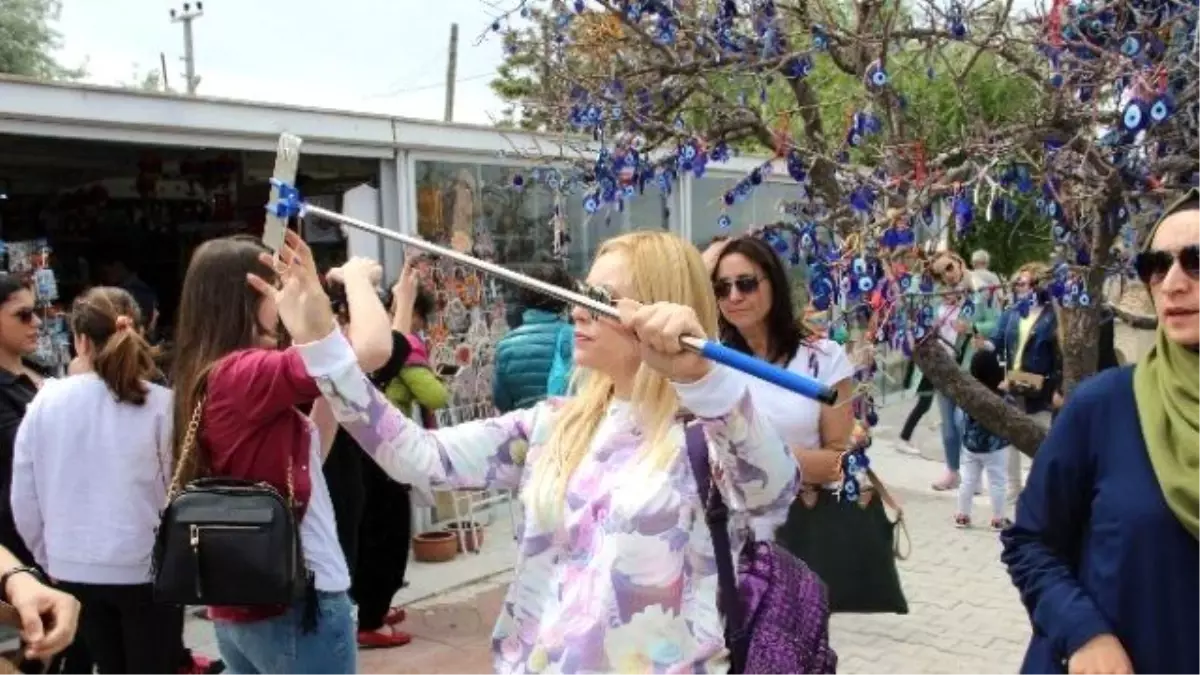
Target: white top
point(798, 419)
point(318, 529)
point(795, 418)
point(947, 330)
point(90, 478)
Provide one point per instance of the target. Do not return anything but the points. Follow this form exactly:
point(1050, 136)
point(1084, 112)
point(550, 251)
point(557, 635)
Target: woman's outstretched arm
point(487, 454)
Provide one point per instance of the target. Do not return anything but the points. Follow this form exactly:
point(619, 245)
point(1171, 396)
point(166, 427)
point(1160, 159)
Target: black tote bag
point(852, 546)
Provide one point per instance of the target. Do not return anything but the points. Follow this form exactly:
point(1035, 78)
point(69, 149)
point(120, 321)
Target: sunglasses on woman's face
point(1152, 266)
point(24, 315)
point(744, 285)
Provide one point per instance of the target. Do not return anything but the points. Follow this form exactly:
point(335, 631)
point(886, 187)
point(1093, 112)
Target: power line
point(432, 85)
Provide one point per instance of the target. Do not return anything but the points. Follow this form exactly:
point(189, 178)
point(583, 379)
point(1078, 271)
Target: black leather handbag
point(225, 541)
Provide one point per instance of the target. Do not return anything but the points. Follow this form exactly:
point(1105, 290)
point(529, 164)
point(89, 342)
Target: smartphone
point(287, 160)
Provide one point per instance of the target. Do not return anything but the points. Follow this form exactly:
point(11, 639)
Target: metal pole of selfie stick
point(286, 201)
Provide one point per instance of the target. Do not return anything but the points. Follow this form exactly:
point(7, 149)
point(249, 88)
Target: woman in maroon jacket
point(229, 362)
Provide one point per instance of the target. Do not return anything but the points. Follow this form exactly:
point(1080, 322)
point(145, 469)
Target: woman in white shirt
point(90, 472)
point(758, 317)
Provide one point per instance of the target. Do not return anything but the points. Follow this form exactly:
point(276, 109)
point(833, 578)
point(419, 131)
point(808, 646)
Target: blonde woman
point(616, 570)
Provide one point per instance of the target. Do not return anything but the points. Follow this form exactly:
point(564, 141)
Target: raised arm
point(759, 474)
point(487, 454)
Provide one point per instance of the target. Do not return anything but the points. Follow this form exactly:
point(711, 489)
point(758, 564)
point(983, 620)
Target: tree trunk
point(1079, 329)
point(985, 407)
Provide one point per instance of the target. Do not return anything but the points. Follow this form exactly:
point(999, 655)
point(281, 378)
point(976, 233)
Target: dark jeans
point(924, 402)
point(126, 631)
point(344, 476)
point(383, 546)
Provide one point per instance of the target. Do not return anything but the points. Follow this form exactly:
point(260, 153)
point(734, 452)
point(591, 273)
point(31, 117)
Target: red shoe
point(395, 616)
point(962, 521)
point(383, 638)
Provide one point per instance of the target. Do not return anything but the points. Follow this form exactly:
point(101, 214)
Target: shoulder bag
point(225, 541)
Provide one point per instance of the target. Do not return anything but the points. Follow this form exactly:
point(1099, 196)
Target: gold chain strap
point(189, 445)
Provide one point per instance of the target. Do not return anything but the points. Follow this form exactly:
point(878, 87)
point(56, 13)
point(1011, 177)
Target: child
point(984, 451)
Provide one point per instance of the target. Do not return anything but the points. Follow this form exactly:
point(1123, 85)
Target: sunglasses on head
point(1152, 266)
point(24, 315)
point(744, 285)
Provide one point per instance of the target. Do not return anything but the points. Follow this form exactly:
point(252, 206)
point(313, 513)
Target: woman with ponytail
point(90, 472)
point(1104, 550)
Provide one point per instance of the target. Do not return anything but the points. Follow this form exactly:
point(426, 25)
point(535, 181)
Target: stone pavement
point(964, 614)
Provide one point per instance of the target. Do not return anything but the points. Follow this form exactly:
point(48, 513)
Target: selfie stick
point(286, 202)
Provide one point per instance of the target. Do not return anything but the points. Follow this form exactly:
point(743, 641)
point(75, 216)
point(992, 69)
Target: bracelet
point(8, 574)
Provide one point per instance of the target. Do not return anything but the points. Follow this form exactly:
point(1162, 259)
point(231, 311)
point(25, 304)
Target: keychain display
point(31, 260)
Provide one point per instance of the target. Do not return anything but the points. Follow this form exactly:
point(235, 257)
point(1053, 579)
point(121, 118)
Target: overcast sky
point(386, 56)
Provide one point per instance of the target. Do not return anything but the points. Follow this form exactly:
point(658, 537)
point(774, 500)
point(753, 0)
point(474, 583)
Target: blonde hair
point(663, 268)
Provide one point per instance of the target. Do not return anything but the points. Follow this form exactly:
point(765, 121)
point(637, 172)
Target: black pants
point(383, 546)
point(344, 476)
point(126, 631)
point(924, 402)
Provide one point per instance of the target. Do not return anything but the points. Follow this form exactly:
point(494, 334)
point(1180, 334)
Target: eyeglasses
point(1152, 266)
point(25, 315)
point(744, 285)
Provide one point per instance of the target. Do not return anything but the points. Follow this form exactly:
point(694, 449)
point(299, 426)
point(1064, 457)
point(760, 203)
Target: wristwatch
point(8, 574)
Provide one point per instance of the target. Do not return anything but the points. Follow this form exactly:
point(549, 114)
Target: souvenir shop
point(69, 206)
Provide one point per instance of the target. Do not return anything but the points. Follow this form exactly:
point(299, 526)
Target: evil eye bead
point(905, 283)
point(967, 311)
point(724, 222)
point(860, 266)
point(1131, 46)
point(591, 204)
point(1134, 117)
point(879, 78)
point(919, 332)
point(866, 284)
point(1160, 111)
point(1085, 300)
point(689, 153)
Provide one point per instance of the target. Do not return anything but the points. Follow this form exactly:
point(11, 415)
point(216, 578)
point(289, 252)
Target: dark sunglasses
point(1154, 265)
point(24, 315)
point(744, 285)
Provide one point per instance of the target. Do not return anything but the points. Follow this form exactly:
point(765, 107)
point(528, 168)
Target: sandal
point(395, 616)
point(383, 638)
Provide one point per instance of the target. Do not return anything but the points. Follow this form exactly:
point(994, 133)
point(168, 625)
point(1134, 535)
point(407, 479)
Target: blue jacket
point(1095, 549)
point(1041, 355)
point(523, 360)
point(564, 362)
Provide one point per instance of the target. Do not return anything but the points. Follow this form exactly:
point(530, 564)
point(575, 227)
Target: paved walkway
point(964, 613)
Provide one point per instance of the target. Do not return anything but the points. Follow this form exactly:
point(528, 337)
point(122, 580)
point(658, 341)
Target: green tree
point(150, 80)
point(28, 40)
point(880, 105)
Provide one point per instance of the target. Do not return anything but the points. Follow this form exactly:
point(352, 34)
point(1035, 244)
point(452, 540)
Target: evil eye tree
point(891, 117)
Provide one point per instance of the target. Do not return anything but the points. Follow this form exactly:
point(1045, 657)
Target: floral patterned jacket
point(625, 581)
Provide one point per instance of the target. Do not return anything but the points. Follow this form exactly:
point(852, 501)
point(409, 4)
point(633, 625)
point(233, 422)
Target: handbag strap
point(189, 447)
point(890, 502)
point(716, 515)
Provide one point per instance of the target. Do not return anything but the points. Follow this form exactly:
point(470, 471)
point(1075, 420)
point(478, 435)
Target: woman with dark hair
point(90, 475)
point(757, 317)
point(231, 373)
point(19, 382)
point(526, 355)
point(1104, 548)
point(379, 567)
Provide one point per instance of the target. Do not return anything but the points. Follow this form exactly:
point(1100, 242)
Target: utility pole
point(189, 14)
point(162, 61)
point(451, 72)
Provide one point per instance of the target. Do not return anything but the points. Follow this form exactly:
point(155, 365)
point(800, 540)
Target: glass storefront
point(762, 207)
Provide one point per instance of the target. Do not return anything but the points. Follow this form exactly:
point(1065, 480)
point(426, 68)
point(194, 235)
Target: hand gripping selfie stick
point(286, 202)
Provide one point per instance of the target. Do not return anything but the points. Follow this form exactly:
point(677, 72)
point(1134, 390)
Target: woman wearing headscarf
point(1104, 548)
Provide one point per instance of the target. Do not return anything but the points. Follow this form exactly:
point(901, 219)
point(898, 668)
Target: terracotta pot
point(433, 547)
point(472, 535)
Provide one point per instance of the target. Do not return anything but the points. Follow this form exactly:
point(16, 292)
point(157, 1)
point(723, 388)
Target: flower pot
point(434, 547)
point(472, 535)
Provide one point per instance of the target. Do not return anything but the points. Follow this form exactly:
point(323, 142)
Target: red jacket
point(251, 425)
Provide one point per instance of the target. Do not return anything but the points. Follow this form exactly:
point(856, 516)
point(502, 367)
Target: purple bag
point(776, 609)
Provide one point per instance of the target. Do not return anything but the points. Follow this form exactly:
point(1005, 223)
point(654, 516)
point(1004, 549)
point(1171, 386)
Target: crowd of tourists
point(618, 441)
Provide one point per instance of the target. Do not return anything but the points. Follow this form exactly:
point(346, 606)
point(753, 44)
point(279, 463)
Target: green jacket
point(417, 385)
point(987, 317)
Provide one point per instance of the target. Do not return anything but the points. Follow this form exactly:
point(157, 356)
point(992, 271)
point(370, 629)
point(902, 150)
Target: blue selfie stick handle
point(751, 365)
